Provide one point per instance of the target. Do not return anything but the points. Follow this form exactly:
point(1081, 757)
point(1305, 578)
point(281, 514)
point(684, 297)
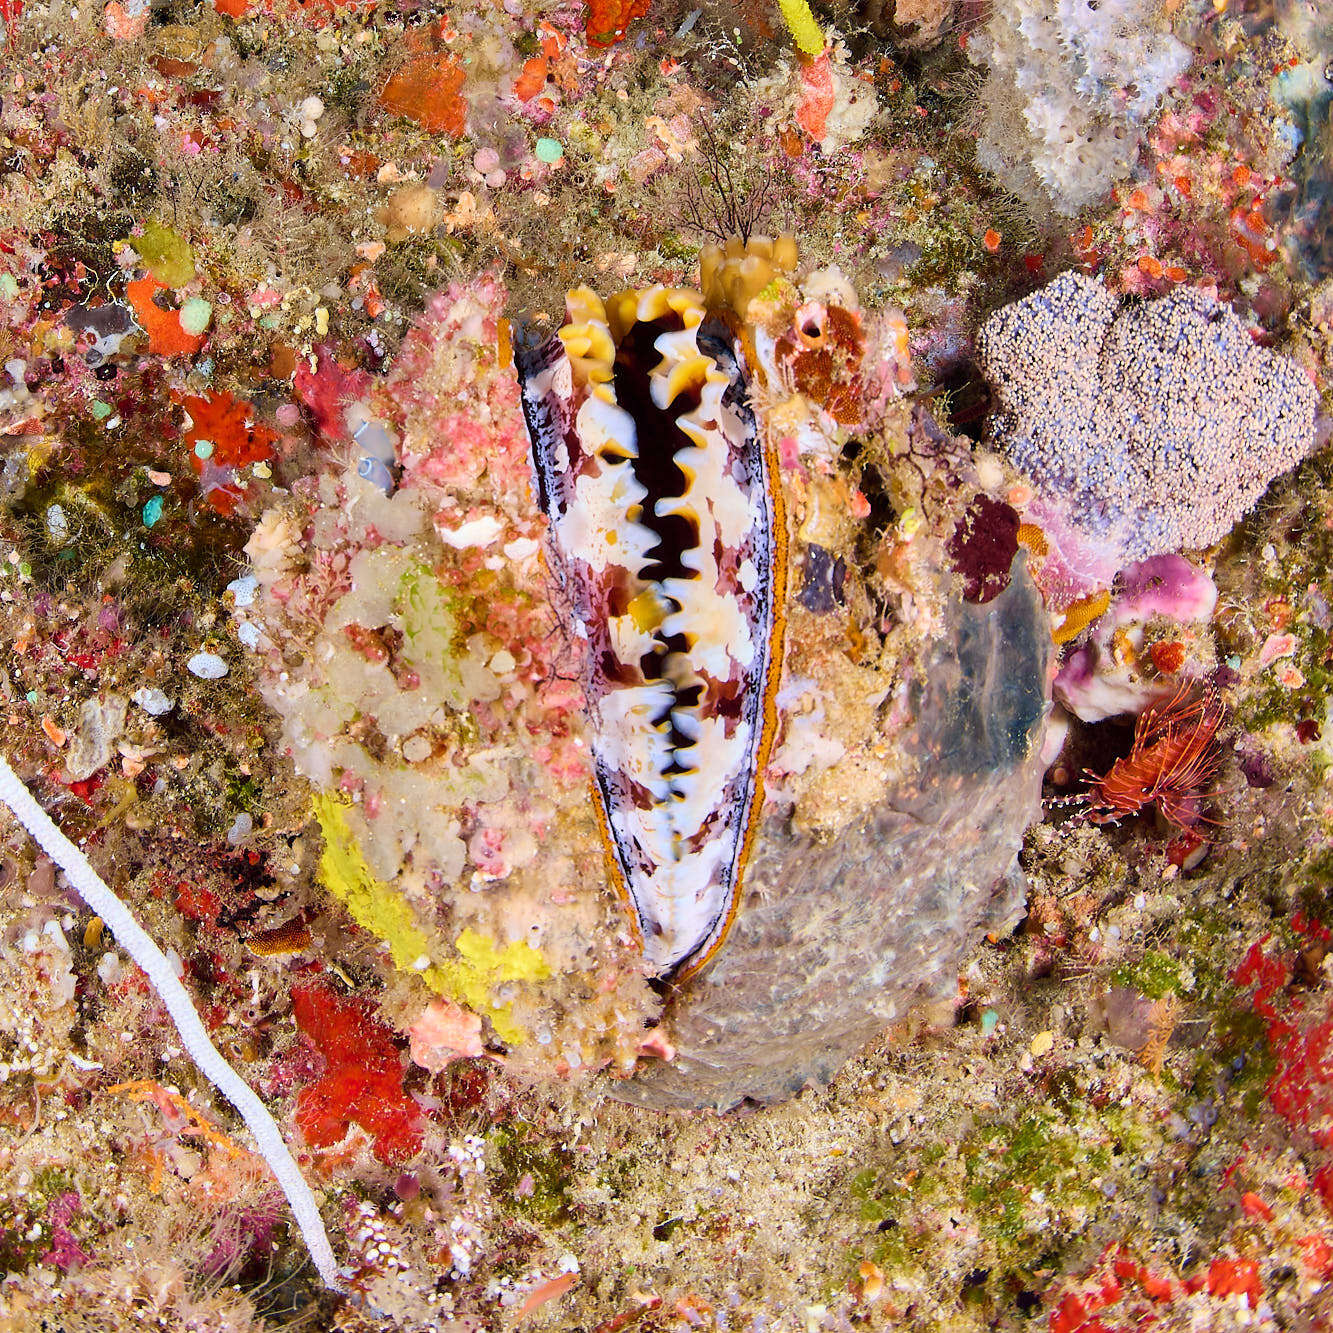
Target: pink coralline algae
point(1146, 428)
point(443, 1033)
point(1146, 642)
point(1166, 585)
point(65, 1251)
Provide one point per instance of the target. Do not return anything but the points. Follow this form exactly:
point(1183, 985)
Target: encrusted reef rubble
point(410, 646)
point(1069, 89)
point(424, 663)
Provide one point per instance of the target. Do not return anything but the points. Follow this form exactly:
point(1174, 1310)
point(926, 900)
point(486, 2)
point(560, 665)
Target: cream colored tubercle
point(601, 529)
point(734, 274)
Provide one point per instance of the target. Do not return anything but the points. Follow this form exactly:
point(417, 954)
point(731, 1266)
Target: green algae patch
point(531, 1173)
point(168, 255)
point(377, 907)
point(1038, 1160)
point(1155, 976)
point(424, 608)
point(1013, 1181)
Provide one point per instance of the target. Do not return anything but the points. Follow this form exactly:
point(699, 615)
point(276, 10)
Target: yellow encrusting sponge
point(808, 35)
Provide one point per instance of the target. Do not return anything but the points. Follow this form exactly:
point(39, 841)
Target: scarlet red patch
point(362, 1082)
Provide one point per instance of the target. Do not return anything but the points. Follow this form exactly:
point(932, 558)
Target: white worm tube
point(136, 942)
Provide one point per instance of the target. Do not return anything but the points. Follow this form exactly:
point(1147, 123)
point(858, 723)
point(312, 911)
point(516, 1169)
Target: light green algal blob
point(584, 136)
point(203, 449)
point(195, 315)
point(152, 511)
point(9, 287)
point(429, 632)
point(168, 255)
point(428, 624)
point(549, 150)
point(391, 587)
point(1156, 975)
point(100, 410)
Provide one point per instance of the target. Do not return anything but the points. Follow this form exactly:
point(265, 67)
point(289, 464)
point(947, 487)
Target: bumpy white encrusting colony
point(136, 942)
point(1153, 427)
point(1071, 86)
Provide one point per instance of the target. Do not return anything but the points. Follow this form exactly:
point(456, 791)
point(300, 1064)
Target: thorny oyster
point(459, 693)
point(670, 539)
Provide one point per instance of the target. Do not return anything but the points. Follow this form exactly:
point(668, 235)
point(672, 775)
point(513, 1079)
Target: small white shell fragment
point(153, 701)
point(521, 548)
point(479, 532)
point(207, 666)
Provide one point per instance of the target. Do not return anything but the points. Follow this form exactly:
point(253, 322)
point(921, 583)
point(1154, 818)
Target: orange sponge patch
point(428, 90)
point(166, 337)
point(608, 20)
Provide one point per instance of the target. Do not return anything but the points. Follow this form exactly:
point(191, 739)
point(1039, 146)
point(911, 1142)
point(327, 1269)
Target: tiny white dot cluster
point(370, 1236)
point(467, 1236)
point(392, 1281)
